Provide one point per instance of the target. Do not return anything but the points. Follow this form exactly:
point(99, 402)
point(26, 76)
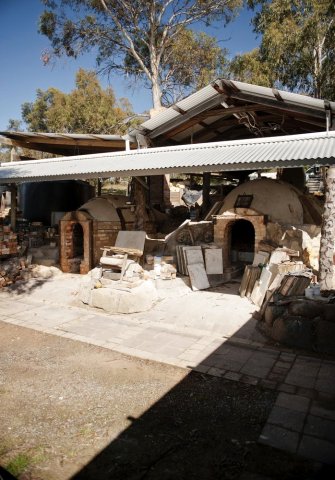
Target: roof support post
point(327, 245)
point(99, 187)
point(206, 185)
point(13, 206)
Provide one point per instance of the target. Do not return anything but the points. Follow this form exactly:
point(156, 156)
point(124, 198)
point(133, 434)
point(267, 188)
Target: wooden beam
point(13, 206)
point(203, 116)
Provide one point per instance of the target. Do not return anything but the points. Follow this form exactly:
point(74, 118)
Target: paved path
point(211, 332)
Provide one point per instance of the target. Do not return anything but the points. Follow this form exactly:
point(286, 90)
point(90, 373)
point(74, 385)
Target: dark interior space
point(242, 243)
point(78, 241)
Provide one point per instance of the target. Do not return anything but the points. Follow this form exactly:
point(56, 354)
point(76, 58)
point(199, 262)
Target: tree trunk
point(327, 245)
point(156, 95)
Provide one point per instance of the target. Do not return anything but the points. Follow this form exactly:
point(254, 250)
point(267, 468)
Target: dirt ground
point(71, 410)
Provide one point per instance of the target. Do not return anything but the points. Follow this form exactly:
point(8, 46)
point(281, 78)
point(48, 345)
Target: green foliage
point(251, 68)
point(298, 43)
point(139, 38)
point(87, 109)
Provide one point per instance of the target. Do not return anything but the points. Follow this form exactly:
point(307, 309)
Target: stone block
point(138, 299)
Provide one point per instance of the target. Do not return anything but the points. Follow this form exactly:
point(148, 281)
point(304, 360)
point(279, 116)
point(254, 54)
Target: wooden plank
point(245, 281)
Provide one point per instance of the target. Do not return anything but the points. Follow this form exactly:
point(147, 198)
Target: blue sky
point(22, 71)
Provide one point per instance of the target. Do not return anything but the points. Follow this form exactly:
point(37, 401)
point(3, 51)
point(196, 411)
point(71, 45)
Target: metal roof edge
point(178, 148)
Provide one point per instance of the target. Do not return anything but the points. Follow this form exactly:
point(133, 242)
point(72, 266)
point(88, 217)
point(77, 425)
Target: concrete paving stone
point(293, 402)
point(216, 372)
point(274, 377)
point(153, 340)
point(320, 427)
point(111, 345)
point(10, 307)
point(268, 384)
point(188, 353)
point(249, 380)
point(254, 344)
point(307, 392)
point(50, 317)
point(287, 418)
point(317, 449)
point(271, 351)
point(325, 380)
point(224, 362)
point(279, 370)
point(283, 365)
point(201, 368)
point(259, 364)
point(323, 408)
point(280, 438)
point(232, 376)
point(304, 372)
point(287, 388)
point(287, 357)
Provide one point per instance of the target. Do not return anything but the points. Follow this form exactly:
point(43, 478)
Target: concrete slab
point(9, 308)
point(323, 408)
point(317, 449)
point(48, 317)
point(304, 372)
point(287, 418)
point(325, 379)
point(280, 438)
point(293, 402)
point(321, 428)
point(259, 364)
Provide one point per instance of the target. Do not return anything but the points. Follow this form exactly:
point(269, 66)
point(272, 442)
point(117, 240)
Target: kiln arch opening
point(78, 246)
point(242, 242)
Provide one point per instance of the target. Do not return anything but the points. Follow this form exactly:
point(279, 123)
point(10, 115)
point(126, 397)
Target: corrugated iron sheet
point(200, 100)
point(289, 151)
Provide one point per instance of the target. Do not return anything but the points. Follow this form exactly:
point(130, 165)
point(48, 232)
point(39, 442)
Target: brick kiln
point(84, 232)
point(267, 211)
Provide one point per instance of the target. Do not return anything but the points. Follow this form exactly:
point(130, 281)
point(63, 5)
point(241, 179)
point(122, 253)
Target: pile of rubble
point(21, 269)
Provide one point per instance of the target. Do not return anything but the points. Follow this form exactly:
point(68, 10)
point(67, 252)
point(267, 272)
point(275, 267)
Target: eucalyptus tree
point(249, 67)
point(138, 38)
point(87, 109)
point(298, 43)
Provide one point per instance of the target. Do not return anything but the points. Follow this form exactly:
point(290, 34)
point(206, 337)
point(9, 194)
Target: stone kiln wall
point(303, 238)
point(66, 253)
point(104, 234)
point(222, 230)
point(96, 235)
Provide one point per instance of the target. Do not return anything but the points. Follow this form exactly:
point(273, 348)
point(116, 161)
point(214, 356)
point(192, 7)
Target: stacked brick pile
point(8, 241)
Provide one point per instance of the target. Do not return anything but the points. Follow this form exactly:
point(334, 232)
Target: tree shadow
point(23, 287)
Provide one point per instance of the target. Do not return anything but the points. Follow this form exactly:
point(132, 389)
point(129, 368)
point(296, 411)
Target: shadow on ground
point(206, 427)
point(24, 287)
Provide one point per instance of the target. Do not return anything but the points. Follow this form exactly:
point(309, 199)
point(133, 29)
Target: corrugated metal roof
point(65, 143)
point(213, 95)
point(281, 151)
point(62, 136)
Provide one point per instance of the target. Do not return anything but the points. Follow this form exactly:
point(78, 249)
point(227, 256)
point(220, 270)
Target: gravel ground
point(71, 410)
